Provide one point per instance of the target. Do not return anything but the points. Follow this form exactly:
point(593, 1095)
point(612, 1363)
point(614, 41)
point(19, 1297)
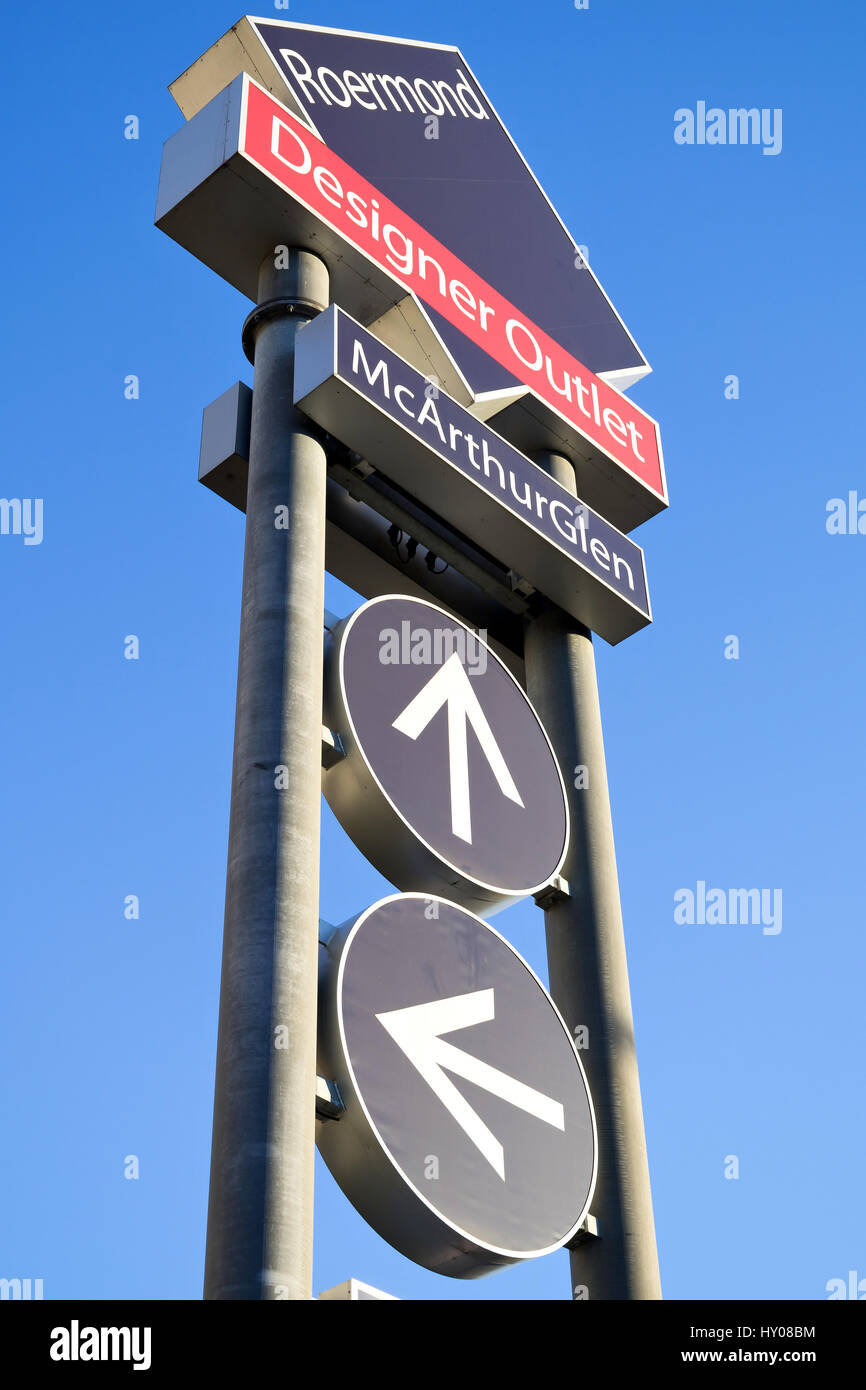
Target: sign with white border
point(448, 781)
point(246, 174)
point(468, 1139)
point(369, 397)
point(412, 117)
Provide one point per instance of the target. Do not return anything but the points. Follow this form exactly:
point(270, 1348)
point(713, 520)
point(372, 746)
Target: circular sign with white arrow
point(449, 781)
point(468, 1135)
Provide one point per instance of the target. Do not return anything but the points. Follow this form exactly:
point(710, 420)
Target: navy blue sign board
point(413, 119)
point(370, 398)
point(468, 1139)
point(247, 173)
point(449, 782)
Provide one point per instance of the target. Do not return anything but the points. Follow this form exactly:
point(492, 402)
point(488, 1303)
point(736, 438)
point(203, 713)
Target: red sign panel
point(285, 149)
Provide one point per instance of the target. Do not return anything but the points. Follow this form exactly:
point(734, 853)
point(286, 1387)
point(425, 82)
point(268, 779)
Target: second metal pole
point(587, 960)
point(260, 1215)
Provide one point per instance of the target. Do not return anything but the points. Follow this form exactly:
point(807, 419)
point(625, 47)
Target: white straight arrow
point(451, 686)
point(417, 1032)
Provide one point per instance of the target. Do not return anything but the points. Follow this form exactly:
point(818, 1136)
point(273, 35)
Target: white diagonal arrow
point(451, 686)
point(417, 1032)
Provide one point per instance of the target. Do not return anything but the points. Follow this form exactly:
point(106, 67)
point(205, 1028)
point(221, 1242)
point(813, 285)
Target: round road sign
point(468, 1136)
point(449, 783)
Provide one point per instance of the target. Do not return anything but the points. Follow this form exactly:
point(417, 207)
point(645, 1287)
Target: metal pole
point(260, 1215)
point(587, 959)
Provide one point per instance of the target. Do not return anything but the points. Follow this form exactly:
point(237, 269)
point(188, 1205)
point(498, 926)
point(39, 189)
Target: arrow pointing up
point(451, 686)
point(417, 1032)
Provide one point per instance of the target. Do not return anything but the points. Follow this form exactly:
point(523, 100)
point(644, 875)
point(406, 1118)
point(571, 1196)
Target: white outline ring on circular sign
point(395, 795)
point(444, 1044)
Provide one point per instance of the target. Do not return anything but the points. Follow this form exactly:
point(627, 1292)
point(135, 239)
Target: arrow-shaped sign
point(451, 686)
point(417, 1032)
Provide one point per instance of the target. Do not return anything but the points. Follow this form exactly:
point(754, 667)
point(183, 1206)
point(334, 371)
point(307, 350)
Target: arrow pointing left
point(417, 1032)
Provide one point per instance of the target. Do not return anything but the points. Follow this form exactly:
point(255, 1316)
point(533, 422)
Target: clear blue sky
point(740, 773)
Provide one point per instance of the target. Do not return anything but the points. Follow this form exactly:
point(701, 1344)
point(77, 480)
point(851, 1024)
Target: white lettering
point(322, 175)
point(358, 356)
point(510, 328)
point(276, 128)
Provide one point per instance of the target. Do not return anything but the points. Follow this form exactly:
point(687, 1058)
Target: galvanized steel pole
point(587, 959)
point(260, 1216)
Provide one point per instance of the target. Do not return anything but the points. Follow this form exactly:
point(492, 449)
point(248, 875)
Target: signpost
point(364, 394)
point(260, 1222)
point(413, 119)
point(462, 1178)
point(247, 174)
point(393, 329)
point(449, 782)
point(586, 958)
